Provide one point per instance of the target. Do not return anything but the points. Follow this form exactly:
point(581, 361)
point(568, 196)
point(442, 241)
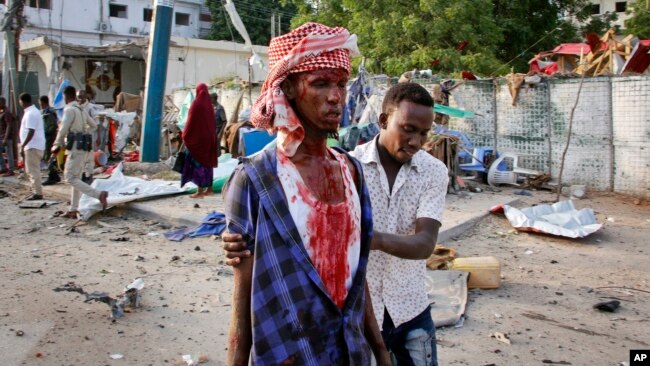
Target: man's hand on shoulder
point(234, 247)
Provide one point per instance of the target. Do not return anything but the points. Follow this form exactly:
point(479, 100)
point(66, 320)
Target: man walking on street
point(89, 111)
point(75, 135)
point(302, 299)
point(401, 178)
point(8, 133)
point(32, 141)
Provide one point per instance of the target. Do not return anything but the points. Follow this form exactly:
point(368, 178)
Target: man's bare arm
point(240, 335)
point(417, 246)
point(373, 334)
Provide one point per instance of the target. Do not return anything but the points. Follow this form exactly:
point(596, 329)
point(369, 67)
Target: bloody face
point(405, 129)
point(318, 97)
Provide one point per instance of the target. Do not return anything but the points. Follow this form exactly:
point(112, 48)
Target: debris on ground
point(501, 337)
point(608, 306)
point(560, 219)
point(440, 257)
point(190, 360)
point(130, 298)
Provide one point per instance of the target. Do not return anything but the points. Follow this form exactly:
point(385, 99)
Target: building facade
point(101, 46)
point(601, 7)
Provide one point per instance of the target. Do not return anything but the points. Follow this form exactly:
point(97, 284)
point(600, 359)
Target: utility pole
point(13, 17)
point(272, 24)
point(161, 28)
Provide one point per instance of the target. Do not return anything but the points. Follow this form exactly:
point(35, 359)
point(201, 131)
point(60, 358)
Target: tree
point(256, 16)
point(396, 36)
point(488, 37)
point(639, 23)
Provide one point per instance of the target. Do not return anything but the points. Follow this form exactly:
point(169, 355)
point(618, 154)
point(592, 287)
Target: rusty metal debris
point(129, 299)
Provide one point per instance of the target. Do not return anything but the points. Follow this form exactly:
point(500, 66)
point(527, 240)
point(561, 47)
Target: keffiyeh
point(310, 47)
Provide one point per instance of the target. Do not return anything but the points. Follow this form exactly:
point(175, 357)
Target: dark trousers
point(412, 343)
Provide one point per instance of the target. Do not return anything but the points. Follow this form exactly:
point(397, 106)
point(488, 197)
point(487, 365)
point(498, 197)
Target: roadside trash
point(529, 252)
point(122, 238)
point(578, 191)
point(194, 360)
point(130, 298)
point(501, 337)
point(213, 224)
point(561, 219)
point(448, 291)
point(498, 316)
point(608, 306)
point(523, 192)
point(440, 257)
point(117, 356)
point(485, 272)
point(124, 189)
point(37, 204)
point(611, 219)
point(20, 333)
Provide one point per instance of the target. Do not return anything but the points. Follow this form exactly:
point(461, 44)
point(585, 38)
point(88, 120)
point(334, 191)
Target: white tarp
point(560, 219)
point(122, 189)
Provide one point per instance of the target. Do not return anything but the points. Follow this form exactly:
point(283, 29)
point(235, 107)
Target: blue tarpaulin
point(213, 224)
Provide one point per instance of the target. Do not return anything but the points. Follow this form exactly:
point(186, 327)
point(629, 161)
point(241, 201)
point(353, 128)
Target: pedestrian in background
point(32, 141)
point(200, 140)
point(8, 133)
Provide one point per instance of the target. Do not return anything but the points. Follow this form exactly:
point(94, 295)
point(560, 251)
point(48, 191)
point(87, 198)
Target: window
point(595, 9)
point(182, 19)
point(147, 15)
point(621, 6)
point(117, 11)
point(41, 4)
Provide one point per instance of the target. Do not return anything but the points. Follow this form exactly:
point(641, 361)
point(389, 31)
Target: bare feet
point(103, 199)
point(208, 191)
point(198, 194)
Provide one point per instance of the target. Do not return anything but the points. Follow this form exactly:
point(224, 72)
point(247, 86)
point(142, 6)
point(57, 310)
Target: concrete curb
point(182, 218)
point(447, 234)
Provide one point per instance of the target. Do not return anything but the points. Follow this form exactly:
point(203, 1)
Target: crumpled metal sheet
point(561, 219)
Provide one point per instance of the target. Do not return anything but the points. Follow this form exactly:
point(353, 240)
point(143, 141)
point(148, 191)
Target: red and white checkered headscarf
point(310, 47)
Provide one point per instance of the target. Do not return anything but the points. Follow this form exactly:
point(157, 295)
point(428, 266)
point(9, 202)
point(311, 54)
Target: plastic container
point(101, 159)
point(485, 272)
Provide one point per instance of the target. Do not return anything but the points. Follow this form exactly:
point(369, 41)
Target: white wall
point(79, 20)
point(609, 6)
point(196, 61)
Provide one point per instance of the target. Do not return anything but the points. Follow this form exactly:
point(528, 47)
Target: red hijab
point(200, 133)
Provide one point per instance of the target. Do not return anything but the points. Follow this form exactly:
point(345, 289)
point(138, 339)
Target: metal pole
point(161, 28)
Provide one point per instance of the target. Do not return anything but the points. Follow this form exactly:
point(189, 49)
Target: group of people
point(68, 143)
point(329, 247)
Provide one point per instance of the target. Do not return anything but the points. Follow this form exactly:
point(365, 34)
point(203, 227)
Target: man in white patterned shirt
point(407, 189)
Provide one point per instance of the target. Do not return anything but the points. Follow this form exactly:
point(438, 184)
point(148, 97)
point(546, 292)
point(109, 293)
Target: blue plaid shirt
point(294, 320)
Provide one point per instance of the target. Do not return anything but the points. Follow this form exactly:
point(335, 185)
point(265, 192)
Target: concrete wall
point(195, 61)
point(610, 141)
point(79, 21)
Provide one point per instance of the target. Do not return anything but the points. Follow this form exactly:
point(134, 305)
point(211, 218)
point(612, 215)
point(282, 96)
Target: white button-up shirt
point(418, 192)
